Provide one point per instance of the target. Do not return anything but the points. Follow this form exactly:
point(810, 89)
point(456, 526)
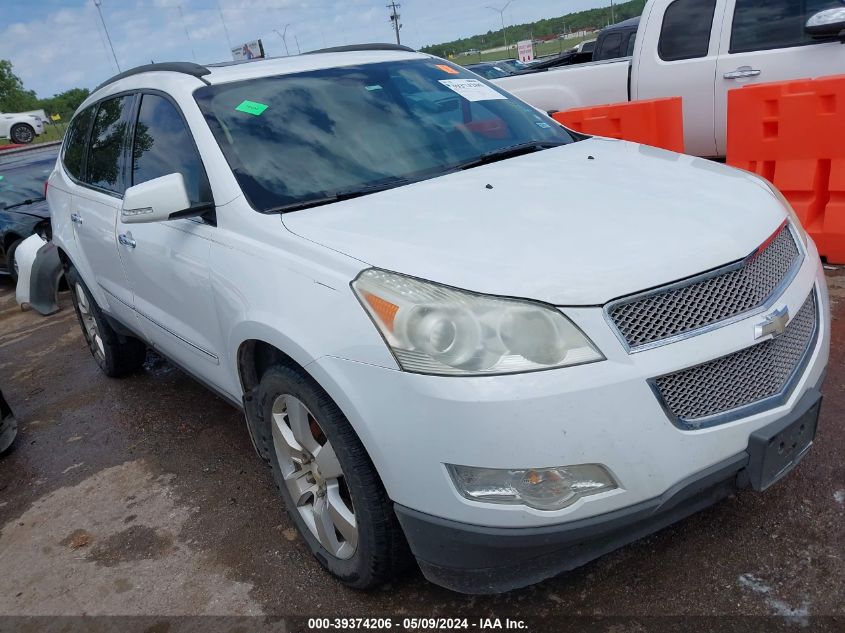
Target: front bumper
point(475, 559)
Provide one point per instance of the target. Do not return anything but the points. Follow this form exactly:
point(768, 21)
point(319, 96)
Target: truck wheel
point(22, 133)
point(328, 483)
point(11, 264)
point(116, 354)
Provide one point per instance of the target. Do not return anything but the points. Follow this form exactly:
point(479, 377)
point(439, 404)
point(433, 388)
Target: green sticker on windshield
point(251, 107)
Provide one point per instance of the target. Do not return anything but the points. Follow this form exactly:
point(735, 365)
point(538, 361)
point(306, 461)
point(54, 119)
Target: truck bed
point(572, 86)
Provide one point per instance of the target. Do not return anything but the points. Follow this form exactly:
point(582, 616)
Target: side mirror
point(159, 199)
point(826, 24)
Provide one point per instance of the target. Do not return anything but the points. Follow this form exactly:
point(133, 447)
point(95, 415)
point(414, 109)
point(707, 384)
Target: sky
point(55, 45)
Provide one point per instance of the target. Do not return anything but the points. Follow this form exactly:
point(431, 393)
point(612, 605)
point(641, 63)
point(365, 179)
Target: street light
point(282, 35)
point(501, 13)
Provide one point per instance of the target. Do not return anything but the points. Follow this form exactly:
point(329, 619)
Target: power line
point(97, 4)
point(394, 17)
point(225, 29)
point(188, 35)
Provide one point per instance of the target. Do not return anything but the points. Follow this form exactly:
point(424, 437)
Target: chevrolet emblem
point(774, 325)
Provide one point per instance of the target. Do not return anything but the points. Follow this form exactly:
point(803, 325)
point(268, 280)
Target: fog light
point(541, 488)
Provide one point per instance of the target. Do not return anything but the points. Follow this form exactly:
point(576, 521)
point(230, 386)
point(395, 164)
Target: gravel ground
point(143, 496)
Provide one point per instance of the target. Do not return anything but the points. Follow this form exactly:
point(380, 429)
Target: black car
point(23, 207)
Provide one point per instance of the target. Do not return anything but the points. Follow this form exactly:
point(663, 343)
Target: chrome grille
point(680, 308)
point(742, 378)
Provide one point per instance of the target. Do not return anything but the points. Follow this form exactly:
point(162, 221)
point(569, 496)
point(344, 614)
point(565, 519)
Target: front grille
point(743, 378)
point(681, 308)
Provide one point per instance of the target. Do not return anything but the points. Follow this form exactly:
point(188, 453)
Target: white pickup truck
point(699, 50)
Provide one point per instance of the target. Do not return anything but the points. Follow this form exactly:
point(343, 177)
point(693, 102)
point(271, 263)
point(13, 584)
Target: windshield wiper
point(23, 203)
point(338, 196)
point(503, 153)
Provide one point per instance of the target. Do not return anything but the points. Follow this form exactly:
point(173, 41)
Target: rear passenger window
point(686, 30)
point(611, 46)
point(76, 143)
point(164, 145)
point(767, 24)
point(108, 140)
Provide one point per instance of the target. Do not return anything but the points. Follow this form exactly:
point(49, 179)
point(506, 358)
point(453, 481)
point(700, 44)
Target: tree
point(64, 103)
point(13, 97)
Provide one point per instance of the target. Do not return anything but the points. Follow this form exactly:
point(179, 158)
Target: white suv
point(457, 329)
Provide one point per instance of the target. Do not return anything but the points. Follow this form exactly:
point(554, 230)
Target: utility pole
point(97, 4)
point(394, 17)
point(188, 35)
point(501, 13)
point(284, 38)
point(225, 30)
point(612, 13)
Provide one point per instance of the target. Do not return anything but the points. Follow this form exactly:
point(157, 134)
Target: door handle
point(76, 219)
point(126, 240)
point(743, 72)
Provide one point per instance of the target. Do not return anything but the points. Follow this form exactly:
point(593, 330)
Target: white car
point(699, 50)
point(457, 329)
point(20, 128)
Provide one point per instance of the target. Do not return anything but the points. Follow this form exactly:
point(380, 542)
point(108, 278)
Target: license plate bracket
point(777, 448)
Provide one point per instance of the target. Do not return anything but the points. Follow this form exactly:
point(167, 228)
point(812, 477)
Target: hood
point(576, 225)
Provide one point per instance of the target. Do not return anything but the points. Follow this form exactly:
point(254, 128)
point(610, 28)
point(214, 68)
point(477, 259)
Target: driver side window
point(761, 25)
point(163, 145)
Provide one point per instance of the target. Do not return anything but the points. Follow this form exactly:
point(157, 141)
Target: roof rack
point(362, 47)
point(187, 68)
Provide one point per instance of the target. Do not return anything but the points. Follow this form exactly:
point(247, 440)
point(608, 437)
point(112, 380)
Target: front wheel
point(22, 133)
point(116, 354)
point(329, 485)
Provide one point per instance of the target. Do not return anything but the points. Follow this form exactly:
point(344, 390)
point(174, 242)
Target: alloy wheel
point(313, 477)
point(89, 322)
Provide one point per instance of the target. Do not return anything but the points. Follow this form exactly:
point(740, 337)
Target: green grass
point(546, 48)
point(53, 132)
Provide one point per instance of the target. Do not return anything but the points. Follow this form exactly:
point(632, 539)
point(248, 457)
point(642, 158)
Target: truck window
point(108, 140)
point(760, 25)
point(611, 46)
point(163, 145)
point(686, 30)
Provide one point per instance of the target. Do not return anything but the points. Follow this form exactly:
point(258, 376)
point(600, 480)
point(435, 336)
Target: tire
point(10, 260)
point(116, 354)
point(380, 551)
point(22, 133)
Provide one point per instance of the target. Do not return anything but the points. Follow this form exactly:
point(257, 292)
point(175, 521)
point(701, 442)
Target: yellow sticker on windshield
point(251, 107)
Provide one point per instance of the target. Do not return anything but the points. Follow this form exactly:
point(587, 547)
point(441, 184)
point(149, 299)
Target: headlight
point(540, 488)
point(793, 217)
point(434, 329)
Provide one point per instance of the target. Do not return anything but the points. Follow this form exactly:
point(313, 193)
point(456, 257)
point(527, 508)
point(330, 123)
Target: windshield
point(22, 182)
point(318, 135)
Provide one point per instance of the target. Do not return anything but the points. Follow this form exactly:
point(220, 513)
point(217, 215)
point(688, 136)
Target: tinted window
point(610, 46)
point(299, 138)
point(686, 30)
point(766, 24)
point(76, 143)
point(108, 140)
point(163, 145)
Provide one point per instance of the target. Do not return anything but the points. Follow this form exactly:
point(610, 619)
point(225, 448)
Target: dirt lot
point(144, 496)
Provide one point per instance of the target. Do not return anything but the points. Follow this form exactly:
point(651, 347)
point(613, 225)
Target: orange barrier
point(793, 134)
point(658, 122)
